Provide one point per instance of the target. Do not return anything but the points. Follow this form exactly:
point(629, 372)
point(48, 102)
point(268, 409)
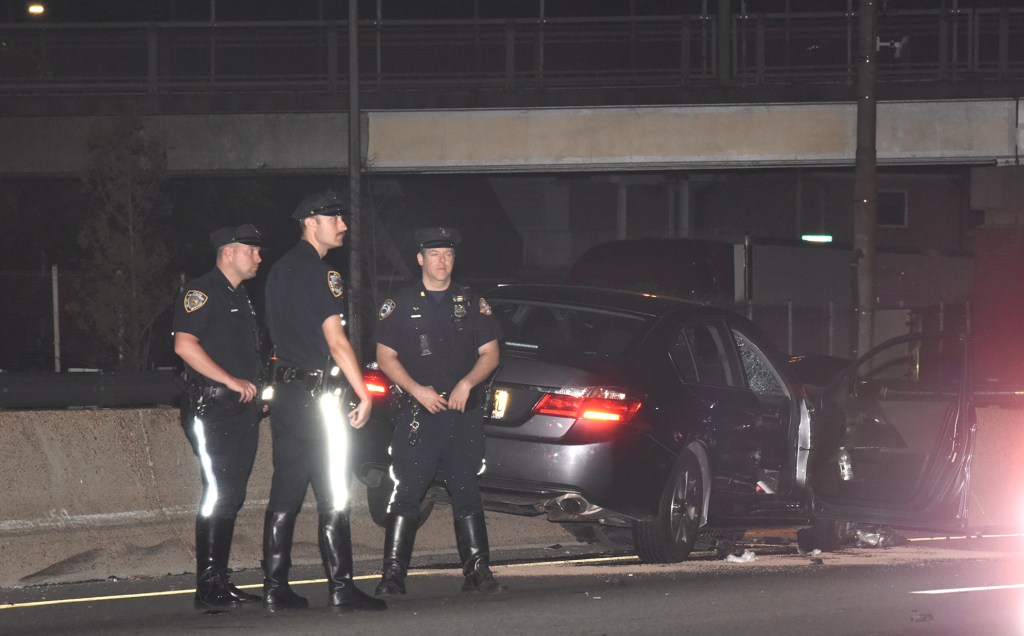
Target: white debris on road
point(746, 557)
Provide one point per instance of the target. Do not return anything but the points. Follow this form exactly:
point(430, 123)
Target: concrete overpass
point(492, 140)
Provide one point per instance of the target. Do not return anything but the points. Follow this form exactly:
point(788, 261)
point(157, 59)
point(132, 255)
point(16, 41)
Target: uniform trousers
point(449, 444)
point(310, 434)
point(224, 437)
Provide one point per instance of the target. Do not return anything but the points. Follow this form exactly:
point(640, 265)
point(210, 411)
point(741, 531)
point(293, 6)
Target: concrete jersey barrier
point(98, 493)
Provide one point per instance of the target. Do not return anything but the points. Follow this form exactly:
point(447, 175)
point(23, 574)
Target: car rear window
point(556, 330)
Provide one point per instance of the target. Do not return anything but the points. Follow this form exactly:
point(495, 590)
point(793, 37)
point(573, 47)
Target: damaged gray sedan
point(643, 421)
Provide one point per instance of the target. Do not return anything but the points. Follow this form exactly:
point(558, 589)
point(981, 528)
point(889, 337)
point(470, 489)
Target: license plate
point(499, 405)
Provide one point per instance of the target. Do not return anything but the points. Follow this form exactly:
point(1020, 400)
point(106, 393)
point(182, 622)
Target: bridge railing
point(921, 45)
point(643, 51)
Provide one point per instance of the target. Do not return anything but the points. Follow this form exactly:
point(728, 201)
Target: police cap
point(326, 203)
point(437, 237)
point(247, 234)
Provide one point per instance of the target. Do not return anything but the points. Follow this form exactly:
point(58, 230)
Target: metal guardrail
point(912, 45)
point(644, 51)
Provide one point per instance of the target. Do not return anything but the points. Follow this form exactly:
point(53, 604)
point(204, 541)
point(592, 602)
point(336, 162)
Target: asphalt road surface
point(944, 586)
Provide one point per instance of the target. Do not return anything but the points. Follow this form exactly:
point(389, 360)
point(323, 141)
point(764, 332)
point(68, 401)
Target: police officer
point(217, 337)
point(438, 342)
point(305, 315)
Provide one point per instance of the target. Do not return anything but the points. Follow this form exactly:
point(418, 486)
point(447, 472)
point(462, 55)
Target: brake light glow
point(594, 405)
point(376, 383)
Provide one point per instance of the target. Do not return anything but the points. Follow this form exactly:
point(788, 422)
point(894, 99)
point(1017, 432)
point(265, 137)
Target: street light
point(36, 9)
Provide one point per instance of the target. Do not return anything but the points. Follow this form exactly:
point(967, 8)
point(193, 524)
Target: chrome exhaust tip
point(572, 505)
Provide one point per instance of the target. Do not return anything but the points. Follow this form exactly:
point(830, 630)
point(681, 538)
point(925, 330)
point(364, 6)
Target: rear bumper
point(613, 481)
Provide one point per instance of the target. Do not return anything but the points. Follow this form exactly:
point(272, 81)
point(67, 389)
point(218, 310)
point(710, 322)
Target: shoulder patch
point(194, 299)
point(334, 283)
point(485, 308)
point(386, 309)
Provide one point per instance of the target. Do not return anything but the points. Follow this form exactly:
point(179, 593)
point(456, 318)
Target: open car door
point(893, 437)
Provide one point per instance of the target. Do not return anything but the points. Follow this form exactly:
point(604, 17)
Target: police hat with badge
point(436, 237)
point(326, 203)
point(245, 234)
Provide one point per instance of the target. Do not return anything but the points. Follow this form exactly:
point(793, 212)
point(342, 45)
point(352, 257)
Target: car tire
point(670, 535)
point(378, 497)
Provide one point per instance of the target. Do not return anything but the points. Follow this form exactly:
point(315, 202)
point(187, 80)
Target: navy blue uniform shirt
point(302, 292)
point(223, 320)
point(436, 338)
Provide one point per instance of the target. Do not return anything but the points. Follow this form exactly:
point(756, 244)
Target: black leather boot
point(277, 559)
point(213, 546)
point(335, 538)
point(471, 537)
point(398, 542)
point(211, 563)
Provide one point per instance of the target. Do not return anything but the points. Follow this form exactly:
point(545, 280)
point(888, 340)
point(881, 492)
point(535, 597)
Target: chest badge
point(334, 283)
point(386, 309)
point(459, 310)
point(194, 299)
point(485, 308)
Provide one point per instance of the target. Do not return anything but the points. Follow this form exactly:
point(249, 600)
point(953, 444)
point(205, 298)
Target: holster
point(266, 392)
point(195, 401)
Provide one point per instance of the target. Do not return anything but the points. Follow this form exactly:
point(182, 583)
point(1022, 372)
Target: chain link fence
point(28, 320)
point(40, 332)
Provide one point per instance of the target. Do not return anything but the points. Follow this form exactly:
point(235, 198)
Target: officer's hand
point(246, 389)
point(360, 415)
point(459, 397)
point(430, 399)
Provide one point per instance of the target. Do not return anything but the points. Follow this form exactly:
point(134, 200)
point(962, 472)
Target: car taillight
point(591, 405)
point(376, 383)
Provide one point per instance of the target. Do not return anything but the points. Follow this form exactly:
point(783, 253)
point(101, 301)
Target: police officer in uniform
point(305, 315)
point(438, 342)
point(217, 337)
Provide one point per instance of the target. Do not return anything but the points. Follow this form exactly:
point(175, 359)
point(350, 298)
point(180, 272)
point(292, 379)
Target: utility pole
point(356, 300)
point(865, 190)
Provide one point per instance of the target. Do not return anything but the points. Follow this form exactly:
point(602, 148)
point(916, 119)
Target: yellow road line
point(121, 597)
point(573, 561)
point(367, 577)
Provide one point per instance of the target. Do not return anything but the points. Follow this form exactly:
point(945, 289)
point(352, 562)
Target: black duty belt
point(216, 392)
point(295, 374)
